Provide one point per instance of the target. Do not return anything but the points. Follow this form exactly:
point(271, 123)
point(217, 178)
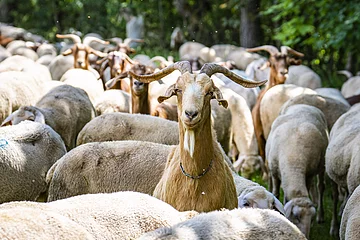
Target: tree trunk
point(4, 11)
point(250, 23)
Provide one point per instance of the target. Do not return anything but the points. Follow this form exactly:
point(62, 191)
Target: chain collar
point(198, 176)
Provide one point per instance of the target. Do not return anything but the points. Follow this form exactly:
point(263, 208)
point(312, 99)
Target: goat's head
point(124, 46)
point(195, 90)
point(138, 87)
point(301, 212)
point(279, 62)
point(81, 51)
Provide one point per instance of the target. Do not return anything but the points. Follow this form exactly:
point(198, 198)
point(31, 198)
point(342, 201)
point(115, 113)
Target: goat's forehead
point(201, 81)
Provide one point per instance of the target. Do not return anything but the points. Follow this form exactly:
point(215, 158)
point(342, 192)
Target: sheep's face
point(301, 212)
point(194, 92)
point(249, 165)
point(22, 114)
point(279, 64)
point(81, 55)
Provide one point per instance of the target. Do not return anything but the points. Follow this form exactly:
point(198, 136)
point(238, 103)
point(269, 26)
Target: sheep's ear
point(288, 208)
point(278, 206)
point(39, 117)
point(219, 97)
point(7, 121)
point(168, 94)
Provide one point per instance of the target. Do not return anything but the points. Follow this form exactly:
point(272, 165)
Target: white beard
point(189, 141)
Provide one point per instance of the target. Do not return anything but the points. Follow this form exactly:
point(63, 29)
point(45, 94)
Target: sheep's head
point(279, 62)
point(24, 113)
point(301, 212)
point(259, 197)
point(248, 165)
point(195, 90)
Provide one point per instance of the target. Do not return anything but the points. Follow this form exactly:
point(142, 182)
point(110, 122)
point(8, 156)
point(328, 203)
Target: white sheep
point(295, 152)
point(24, 222)
point(350, 224)
point(120, 215)
point(332, 93)
point(131, 166)
point(342, 157)
point(303, 76)
point(237, 224)
point(65, 108)
point(332, 108)
point(85, 80)
point(112, 100)
point(351, 86)
point(27, 151)
point(59, 65)
point(125, 126)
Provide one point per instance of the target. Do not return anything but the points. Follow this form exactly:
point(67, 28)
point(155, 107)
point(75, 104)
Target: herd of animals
point(99, 143)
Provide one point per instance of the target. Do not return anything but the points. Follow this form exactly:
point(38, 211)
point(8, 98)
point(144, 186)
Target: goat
point(82, 50)
point(124, 45)
point(140, 99)
point(279, 63)
point(196, 176)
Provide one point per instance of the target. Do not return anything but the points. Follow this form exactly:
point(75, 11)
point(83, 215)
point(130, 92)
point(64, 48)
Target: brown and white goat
point(196, 175)
point(82, 50)
point(139, 91)
point(279, 63)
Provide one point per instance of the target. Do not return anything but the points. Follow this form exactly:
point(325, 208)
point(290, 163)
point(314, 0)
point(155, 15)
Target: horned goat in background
point(196, 176)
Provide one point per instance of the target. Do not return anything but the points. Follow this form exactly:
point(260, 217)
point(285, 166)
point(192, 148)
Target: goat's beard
point(189, 141)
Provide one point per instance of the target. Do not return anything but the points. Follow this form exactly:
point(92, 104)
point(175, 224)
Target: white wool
point(189, 141)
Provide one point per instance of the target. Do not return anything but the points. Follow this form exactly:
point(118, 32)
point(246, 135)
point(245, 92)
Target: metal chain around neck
point(198, 176)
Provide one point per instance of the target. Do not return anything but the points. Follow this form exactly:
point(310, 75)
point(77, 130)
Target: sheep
point(112, 100)
point(119, 215)
point(303, 76)
point(331, 107)
point(85, 80)
point(351, 86)
point(17, 89)
point(295, 164)
point(82, 50)
point(129, 127)
point(279, 63)
point(237, 224)
point(177, 38)
point(4, 53)
point(137, 166)
point(332, 93)
point(349, 227)
point(59, 65)
point(341, 158)
point(243, 58)
point(27, 152)
point(23, 64)
point(65, 108)
point(211, 184)
point(190, 49)
point(30, 223)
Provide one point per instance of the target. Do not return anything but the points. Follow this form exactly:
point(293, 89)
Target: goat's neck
point(272, 79)
point(203, 148)
point(140, 104)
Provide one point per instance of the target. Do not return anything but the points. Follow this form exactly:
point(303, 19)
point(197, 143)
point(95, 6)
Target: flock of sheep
point(95, 144)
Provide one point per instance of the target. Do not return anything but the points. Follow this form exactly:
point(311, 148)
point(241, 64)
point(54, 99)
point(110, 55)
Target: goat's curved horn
point(75, 38)
point(127, 41)
point(182, 66)
point(286, 50)
point(347, 73)
point(269, 48)
point(90, 39)
point(127, 58)
point(211, 68)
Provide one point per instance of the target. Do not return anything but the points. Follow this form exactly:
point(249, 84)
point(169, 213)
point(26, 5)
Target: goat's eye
point(210, 93)
point(178, 91)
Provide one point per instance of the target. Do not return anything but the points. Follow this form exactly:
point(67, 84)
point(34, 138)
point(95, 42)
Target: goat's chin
point(191, 125)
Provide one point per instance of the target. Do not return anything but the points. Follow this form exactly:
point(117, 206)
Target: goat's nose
point(191, 114)
point(283, 72)
point(79, 62)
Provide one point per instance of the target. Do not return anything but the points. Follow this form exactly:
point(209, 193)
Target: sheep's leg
point(275, 187)
point(334, 229)
point(321, 188)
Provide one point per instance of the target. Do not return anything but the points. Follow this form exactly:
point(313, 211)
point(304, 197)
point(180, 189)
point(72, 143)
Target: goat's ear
point(67, 52)
point(109, 84)
point(97, 53)
point(168, 94)
point(293, 61)
point(219, 97)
